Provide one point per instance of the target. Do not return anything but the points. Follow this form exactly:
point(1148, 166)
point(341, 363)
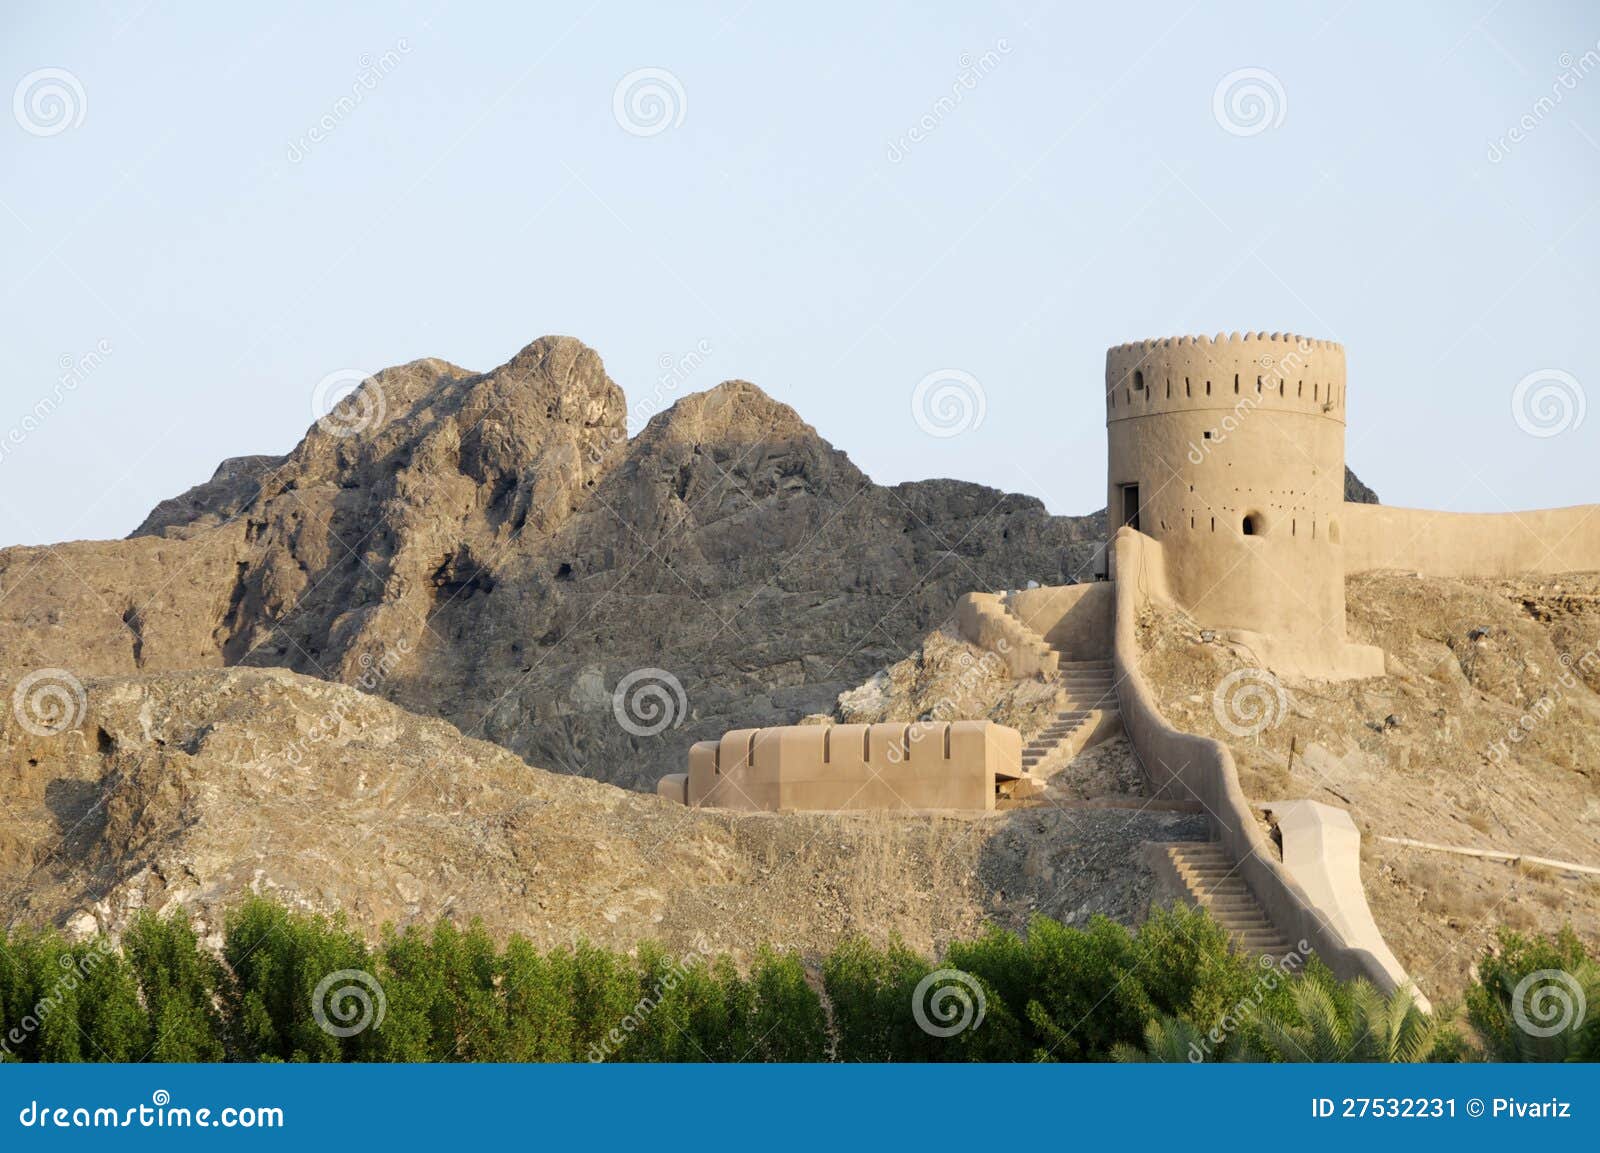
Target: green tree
point(789, 1023)
point(1087, 993)
point(1543, 981)
point(605, 992)
point(279, 961)
point(539, 994)
point(181, 985)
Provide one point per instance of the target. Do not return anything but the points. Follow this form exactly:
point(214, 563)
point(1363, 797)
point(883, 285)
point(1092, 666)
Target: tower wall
point(1236, 446)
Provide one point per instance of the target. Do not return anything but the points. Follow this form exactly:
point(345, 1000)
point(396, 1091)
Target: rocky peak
point(492, 548)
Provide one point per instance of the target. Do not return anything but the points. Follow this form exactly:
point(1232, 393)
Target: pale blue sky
point(1082, 192)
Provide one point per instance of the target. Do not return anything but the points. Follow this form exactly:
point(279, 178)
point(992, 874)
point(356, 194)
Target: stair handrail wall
point(1189, 766)
point(983, 620)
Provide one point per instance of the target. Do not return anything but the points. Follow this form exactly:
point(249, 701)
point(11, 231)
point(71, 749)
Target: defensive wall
point(1456, 544)
point(908, 767)
point(1186, 766)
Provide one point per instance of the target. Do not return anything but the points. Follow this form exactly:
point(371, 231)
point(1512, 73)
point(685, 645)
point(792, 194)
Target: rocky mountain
point(1355, 492)
point(493, 549)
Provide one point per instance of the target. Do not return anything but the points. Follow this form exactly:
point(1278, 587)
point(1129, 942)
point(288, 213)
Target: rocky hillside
point(190, 790)
point(1483, 734)
point(493, 549)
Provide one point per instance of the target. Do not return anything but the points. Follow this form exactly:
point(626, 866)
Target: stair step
point(1219, 887)
point(1207, 870)
point(1212, 880)
point(1262, 934)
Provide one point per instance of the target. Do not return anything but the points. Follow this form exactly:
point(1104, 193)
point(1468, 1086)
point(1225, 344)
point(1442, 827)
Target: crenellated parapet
point(930, 765)
point(1281, 371)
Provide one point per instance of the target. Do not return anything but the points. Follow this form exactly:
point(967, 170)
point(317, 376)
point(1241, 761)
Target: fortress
point(1231, 453)
point(1226, 464)
point(1225, 496)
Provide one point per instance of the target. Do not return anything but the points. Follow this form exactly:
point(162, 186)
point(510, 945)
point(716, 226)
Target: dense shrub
point(293, 986)
point(1547, 979)
point(181, 984)
point(68, 1002)
point(279, 960)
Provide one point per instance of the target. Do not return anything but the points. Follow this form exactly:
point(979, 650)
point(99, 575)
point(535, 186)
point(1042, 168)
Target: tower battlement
point(1225, 338)
point(1280, 370)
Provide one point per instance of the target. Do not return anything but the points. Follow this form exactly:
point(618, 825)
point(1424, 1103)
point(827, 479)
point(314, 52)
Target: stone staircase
point(1087, 706)
point(1207, 877)
point(1045, 654)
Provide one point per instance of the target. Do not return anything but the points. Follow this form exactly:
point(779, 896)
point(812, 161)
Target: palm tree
point(1363, 1025)
point(1166, 1039)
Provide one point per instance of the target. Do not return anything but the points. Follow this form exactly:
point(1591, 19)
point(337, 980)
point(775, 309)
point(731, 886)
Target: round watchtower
point(1230, 452)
